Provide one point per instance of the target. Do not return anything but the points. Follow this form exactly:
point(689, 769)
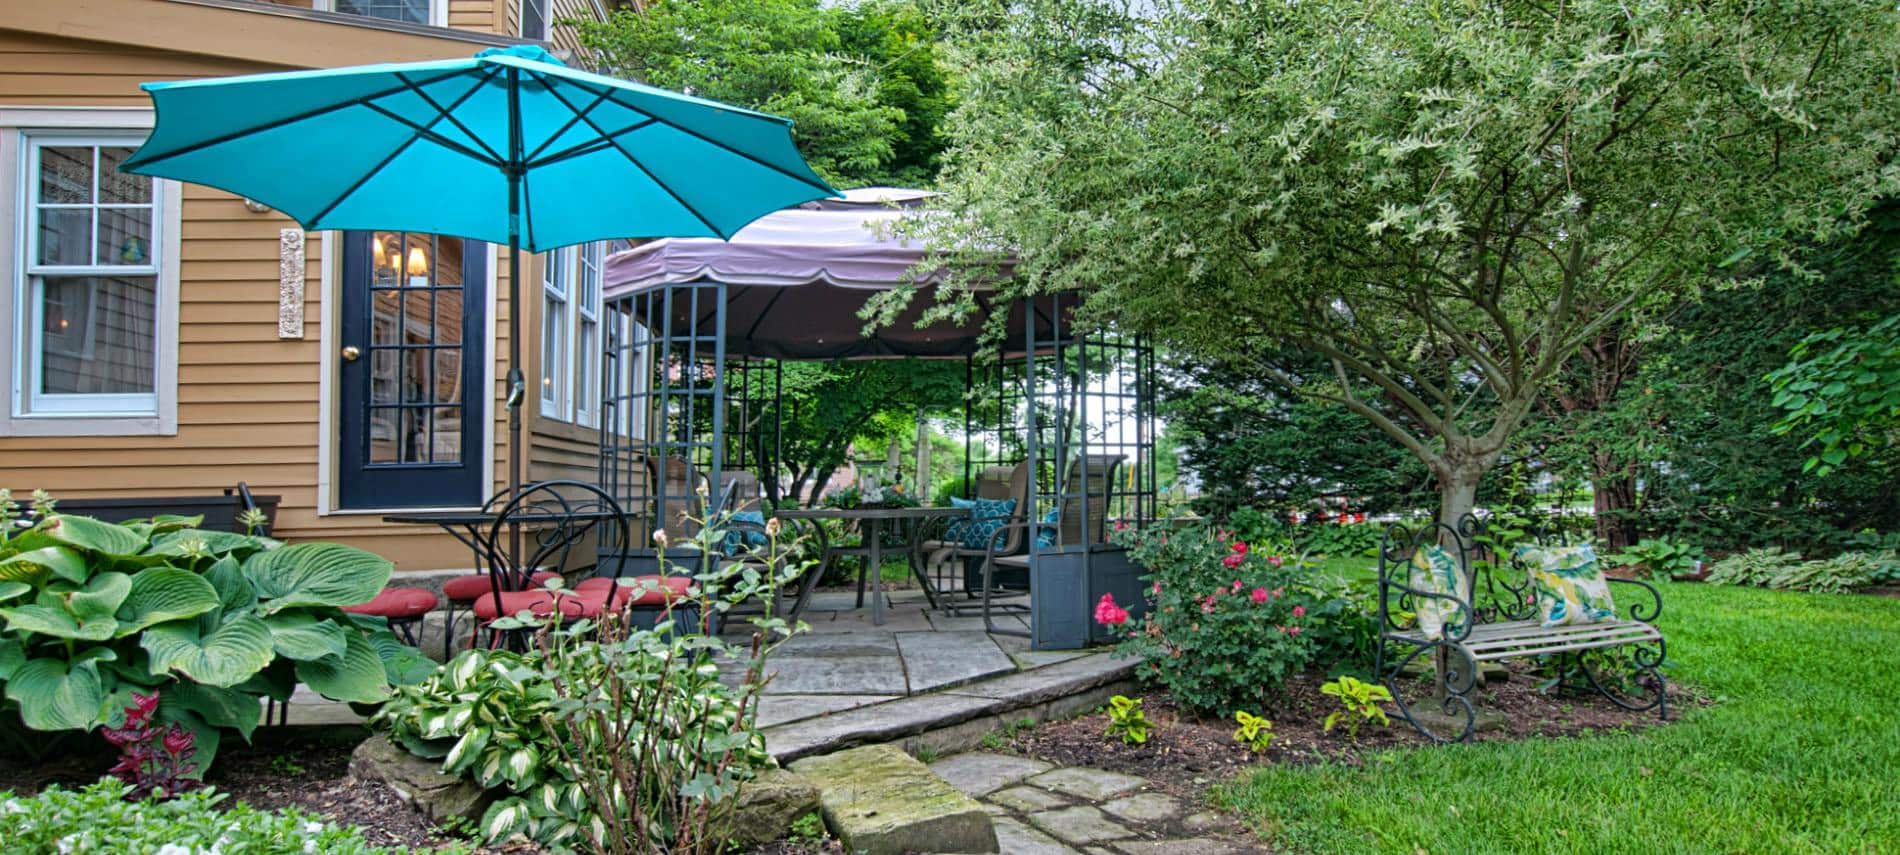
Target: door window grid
point(414, 414)
point(88, 279)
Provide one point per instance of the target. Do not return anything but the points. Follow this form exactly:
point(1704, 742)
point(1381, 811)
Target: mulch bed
point(1185, 753)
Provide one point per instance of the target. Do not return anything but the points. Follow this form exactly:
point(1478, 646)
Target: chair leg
point(861, 577)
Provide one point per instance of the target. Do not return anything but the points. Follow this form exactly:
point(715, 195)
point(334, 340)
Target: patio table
point(871, 525)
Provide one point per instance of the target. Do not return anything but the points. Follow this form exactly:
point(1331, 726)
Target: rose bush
point(1227, 621)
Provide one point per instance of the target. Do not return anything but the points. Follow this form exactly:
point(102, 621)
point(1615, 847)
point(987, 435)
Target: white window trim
point(547, 20)
point(438, 11)
point(557, 380)
point(587, 311)
point(566, 405)
point(16, 124)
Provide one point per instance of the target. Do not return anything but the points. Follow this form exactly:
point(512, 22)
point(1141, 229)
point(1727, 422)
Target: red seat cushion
point(462, 589)
point(398, 603)
point(641, 591)
point(539, 602)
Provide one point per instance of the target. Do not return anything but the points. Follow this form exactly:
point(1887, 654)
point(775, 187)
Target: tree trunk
point(1458, 493)
point(1615, 489)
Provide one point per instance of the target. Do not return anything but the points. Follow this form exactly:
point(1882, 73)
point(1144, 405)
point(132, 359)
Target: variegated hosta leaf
point(161, 594)
point(466, 750)
point(316, 574)
point(228, 656)
point(504, 818)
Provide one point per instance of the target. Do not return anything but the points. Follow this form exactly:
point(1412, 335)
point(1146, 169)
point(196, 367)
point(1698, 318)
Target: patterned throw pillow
point(1047, 532)
point(986, 516)
point(1568, 584)
point(1436, 570)
point(749, 536)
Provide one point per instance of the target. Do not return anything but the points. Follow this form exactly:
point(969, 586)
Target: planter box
point(220, 512)
point(1066, 584)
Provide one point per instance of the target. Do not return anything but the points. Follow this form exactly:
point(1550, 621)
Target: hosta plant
point(210, 621)
point(607, 737)
point(103, 818)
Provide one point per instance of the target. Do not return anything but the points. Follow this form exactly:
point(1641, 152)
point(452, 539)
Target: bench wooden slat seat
point(1504, 625)
point(1511, 639)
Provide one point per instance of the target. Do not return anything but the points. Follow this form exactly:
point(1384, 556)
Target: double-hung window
point(571, 350)
point(556, 299)
point(93, 308)
point(428, 12)
point(535, 16)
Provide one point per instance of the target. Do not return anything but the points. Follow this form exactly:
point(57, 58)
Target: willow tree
point(1442, 200)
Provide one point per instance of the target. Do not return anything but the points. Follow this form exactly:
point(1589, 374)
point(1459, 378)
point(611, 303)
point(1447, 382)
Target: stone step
point(878, 800)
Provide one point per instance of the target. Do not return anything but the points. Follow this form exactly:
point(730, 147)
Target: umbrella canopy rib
point(420, 131)
point(573, 120)
point(142, 161)
point(635, 161)
point(589, 147)
point(488, 76)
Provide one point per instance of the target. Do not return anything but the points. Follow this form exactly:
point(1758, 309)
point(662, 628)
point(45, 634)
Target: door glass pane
point(553, 346)
point(410, 11)
point(416, 347)
point(96, 334)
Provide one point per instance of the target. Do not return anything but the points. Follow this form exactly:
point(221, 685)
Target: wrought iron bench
point(1497, 619)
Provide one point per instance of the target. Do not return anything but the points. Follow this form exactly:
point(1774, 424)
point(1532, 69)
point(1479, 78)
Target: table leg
point(874, 539)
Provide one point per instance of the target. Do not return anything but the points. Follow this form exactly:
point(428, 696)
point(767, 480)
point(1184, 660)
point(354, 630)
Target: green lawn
point(1799, 753)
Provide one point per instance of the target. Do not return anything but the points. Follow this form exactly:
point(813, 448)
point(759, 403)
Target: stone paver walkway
point(1041, 809)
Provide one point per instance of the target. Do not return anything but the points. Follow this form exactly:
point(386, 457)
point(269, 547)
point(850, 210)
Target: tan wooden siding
point(248, 402)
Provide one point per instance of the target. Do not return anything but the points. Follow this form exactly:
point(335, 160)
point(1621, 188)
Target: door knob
point(351, 352)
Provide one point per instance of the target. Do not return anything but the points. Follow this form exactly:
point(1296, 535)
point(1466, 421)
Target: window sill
point(46, 425)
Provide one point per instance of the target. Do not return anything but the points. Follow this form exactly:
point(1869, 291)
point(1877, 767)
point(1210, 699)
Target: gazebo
point(697, 329)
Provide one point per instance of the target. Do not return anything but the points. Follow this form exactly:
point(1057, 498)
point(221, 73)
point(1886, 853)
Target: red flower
point(1239, 547)
point(1109, 614)
point(1260, 595)
point(1121, 525)
point(1207, 605)
point(1231, 561)
point(1157, 587)
point(1273, 560)
point(1299, 611)
point(1293, 630)
point(1237, 586)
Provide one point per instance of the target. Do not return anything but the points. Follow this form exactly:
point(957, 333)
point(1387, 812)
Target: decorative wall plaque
point(290, 283)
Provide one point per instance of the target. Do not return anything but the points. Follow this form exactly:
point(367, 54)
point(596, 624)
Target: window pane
point(553, 345)
point(96, 335)
point(412, 11)
point(125, 236)
point(66, 174)
point(66, 236)
point(120, 188)
point(446, 432)
point(448, 375)
point(584, 357)
point(534, 19)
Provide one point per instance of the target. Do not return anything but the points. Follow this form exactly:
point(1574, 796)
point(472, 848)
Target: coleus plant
point(154, 758)
point(211, 621)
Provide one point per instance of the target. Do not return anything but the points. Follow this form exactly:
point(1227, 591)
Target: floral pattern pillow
point(1436, 570)
point(1568, 585)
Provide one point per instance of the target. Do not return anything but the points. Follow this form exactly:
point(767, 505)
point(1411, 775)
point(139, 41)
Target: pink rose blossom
point(1157, 587)
point(1231, 561)
point(1207, 605)
point(1260, 595)
point(1293, 631)
point(1109, 614)
point(1239, 547)
point(1237, 586)
point(1299, 611)
point(1273, 560)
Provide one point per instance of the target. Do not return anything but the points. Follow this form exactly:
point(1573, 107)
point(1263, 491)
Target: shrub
point(1227, 621)
point(608, 738)
point(100, 819)
point(211, 621)
point(1354, 539)
point(1773, 568)
point(1660, 556)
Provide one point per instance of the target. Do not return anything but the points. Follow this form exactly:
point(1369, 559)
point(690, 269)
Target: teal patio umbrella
point(509, 146)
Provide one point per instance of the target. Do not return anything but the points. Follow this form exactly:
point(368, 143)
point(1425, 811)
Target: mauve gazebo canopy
point(796, 280)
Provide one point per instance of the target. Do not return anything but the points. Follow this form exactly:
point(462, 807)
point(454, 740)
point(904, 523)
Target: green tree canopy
point(1444, 200)
point(862, 83)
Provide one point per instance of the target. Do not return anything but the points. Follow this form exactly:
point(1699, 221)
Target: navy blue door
point(414, 335)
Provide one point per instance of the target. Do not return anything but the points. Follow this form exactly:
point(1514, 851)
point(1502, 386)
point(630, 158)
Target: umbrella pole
point(517, 385)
